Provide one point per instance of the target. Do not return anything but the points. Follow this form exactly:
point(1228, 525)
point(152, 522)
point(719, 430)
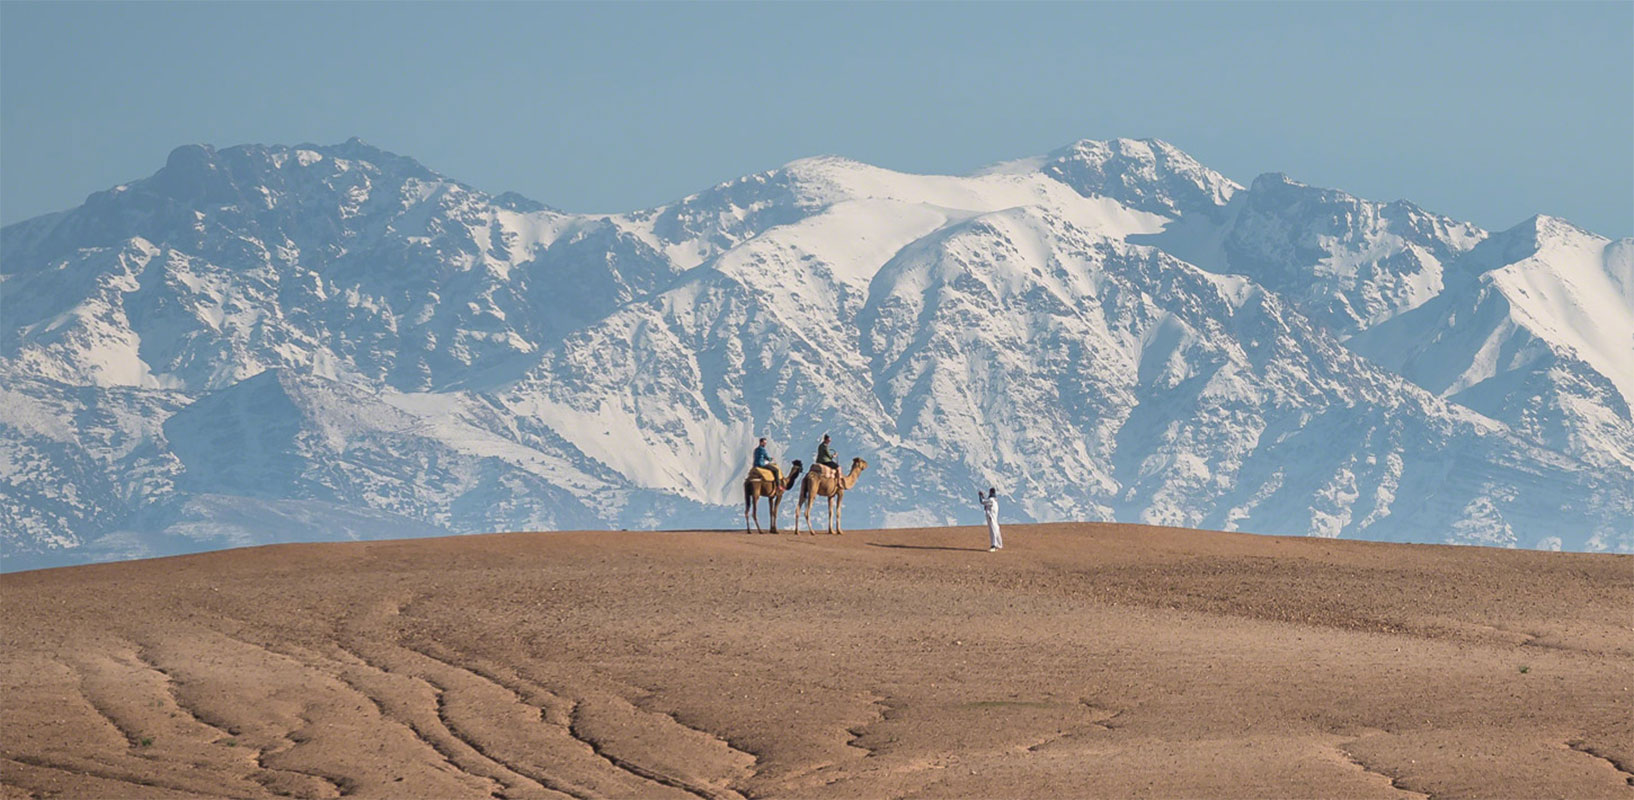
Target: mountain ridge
point(1109, 331)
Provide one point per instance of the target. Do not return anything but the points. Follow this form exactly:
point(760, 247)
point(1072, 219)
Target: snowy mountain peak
point(267, 192)
point(1539, 234)
point(356, 149)
point(201, 173)
point(513, 201)
point(1535, 329)
point(1145, 174)
point(1268, 183)
point(1545, 231)
point(1346, 262)
point(260, 342)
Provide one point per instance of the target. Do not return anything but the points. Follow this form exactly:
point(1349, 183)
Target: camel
point(756, 487)
point(829, 486)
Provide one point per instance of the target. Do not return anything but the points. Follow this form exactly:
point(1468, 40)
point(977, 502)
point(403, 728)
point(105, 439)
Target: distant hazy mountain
point(266, 344)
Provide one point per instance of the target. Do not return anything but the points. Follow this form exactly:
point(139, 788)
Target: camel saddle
point(761, 474)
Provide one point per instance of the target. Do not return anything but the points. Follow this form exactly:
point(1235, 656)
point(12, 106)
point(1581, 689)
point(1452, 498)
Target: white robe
point(990, 506)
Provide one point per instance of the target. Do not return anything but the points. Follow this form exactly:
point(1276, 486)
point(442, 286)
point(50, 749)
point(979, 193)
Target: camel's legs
point(752, 508)
point(773, 502)
point(839, 500)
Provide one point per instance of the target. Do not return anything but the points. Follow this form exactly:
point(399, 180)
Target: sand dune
point(1085, 660)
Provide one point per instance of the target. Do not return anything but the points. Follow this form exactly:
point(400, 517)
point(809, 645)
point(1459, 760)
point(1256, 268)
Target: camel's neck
point(851, 480)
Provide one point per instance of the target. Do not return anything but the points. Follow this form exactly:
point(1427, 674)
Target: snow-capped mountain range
point(263, 344)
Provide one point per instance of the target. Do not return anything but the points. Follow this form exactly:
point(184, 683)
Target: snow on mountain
point(1536, 330)
point(1144, 174)
point(1344, 262)
point(767, 324)
point(224, 264)
point(265, 344)
point(76, 461)
point(1530, 327)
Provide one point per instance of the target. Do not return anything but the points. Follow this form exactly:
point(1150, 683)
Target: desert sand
point(1085, 660)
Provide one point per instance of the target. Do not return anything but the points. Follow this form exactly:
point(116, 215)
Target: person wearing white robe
point(990, 507)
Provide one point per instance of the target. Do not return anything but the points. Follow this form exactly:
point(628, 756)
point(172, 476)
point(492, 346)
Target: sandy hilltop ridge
point(1084, 660)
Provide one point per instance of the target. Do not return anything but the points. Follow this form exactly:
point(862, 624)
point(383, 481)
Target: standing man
point(990, 507)
point(764, 459)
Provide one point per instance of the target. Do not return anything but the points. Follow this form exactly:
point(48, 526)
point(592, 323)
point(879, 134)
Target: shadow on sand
point(929, 547)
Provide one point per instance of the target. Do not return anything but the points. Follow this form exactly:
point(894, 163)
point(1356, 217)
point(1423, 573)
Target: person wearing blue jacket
point(764, 459)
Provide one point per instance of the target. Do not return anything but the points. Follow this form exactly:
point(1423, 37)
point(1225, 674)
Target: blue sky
point(1484, 111)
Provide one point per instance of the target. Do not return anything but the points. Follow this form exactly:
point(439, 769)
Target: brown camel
point(831, 487)
point(756, 487)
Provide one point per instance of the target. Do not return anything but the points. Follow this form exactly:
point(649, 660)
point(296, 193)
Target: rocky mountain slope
point(278, 343)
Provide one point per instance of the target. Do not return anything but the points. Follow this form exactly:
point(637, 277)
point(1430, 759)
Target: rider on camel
point(825, 456)
point(763, 459)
